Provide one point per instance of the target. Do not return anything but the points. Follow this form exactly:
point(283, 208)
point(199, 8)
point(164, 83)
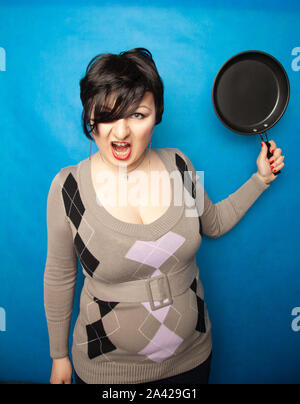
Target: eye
point(138, 115)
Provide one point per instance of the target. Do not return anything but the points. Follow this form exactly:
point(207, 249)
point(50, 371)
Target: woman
point(142, 313)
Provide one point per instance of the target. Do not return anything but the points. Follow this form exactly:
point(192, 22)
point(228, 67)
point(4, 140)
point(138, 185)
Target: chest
point(143, 214)
point(138, 200)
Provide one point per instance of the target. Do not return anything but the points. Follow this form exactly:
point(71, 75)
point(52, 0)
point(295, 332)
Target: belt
point(158, 290)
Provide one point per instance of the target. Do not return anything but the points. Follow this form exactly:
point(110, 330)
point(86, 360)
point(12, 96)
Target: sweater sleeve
point(60, 272)
point(217, 219)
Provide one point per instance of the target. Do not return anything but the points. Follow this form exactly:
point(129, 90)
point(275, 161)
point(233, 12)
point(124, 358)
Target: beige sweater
point(142, 311)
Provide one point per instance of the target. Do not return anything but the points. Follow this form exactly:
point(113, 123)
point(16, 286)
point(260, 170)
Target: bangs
point(114, 104)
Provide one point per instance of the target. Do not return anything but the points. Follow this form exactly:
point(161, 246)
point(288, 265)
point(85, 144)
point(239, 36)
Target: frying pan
point(250, 93)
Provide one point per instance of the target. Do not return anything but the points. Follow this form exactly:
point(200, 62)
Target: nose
point(121, 128)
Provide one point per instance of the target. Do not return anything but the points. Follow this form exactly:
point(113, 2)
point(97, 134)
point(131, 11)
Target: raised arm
point(60, 272)
point(217, 219)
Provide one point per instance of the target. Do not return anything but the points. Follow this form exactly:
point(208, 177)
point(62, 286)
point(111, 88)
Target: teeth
point(121, 153)
point(123, 146)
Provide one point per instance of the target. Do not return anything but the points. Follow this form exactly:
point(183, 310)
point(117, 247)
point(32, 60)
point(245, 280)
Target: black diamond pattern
point(98, 341)
point(105, 307)
point(188, 183)
point(75, 210)
point(200, 305)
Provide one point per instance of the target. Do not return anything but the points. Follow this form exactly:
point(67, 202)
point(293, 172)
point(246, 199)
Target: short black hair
point(127, 75)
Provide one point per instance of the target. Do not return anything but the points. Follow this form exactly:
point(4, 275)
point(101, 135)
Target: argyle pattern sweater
point(124, 337)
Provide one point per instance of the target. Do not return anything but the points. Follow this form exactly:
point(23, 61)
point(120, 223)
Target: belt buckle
point(167, 291)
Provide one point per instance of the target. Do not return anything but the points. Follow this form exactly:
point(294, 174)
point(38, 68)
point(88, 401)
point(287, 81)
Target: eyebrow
point(140, 106)
point(144, 106)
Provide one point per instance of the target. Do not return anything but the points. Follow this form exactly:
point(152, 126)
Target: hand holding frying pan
point(268, 167)
point(251, 93)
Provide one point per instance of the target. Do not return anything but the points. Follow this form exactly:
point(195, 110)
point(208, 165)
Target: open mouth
point(121, 150)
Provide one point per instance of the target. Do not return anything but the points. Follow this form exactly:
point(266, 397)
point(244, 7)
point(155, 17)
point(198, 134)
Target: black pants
point(198, 375)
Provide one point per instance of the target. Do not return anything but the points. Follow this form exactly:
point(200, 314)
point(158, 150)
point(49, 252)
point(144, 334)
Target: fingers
point(278, 167)
point(68, 381)
point(276, 151)
point(276, 160)
point(273, 145)
point(277, 163)
point(56, 381)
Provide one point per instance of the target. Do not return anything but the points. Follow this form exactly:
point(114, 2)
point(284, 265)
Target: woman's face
point(136, 129)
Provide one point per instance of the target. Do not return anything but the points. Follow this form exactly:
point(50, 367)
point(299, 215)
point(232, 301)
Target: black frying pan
point(250, 93)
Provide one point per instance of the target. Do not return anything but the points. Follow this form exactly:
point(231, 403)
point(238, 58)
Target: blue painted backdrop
point(251, 275)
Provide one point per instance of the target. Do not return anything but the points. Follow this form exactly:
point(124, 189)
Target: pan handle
point(270, 155)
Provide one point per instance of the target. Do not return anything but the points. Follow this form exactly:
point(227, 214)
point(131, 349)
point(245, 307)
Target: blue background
point(250, 275)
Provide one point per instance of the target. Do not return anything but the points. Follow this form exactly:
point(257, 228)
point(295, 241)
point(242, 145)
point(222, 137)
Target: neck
point(123, 167)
